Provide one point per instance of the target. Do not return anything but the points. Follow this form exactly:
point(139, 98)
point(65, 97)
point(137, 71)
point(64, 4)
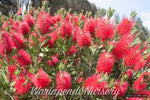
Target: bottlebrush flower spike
point(80, 80)
point(44, 22)
point(8, 42)
point(129, 73)
point(122, 47)
point(23, 58)
point(29, 19)
point(5, 25)
point(18, 39)
point(140, 83)
point(11, 21)
point(63, 81)
point(140, 64)
point(132, 57)
point(49, 43)
point(84, 39)
point(95, 83)
point(54, 61)
point(105, 30)
point(16, 26)
point(90, 25)
point(125, 26)
point(11, 70)
point(25, 28)
point(22, 86)
point(1, 48)
point(122, 87)
point(75, 19)
point(53, 35)
point(75, 32)
point(66, 29)
point(72, 50)
point(55, 18)
point(41, 79)
point(105, 63)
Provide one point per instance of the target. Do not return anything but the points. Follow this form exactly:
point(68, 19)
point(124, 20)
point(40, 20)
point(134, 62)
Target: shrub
point(69, 51)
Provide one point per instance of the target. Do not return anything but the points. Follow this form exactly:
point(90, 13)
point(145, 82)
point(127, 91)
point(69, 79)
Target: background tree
point(144, 32)
point(8, 6)
point(101, 12)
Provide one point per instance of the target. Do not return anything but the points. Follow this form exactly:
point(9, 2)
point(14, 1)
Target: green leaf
point(133, 14)
point(3, 64)
point(4, 76)
point(110, 13)
point(12, 83)
point(35, 41)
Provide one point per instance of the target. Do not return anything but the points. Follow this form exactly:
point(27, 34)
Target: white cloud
point(145, 16)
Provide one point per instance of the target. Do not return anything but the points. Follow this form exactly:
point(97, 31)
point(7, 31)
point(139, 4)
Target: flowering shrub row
point(68, 51)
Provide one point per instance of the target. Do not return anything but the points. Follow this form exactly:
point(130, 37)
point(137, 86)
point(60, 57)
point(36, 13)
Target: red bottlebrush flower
point(122, 87)
point(21, 86)
point(140, 83)
point(75, 19)
point(72, 50)
point(81, 79)
point(23, 58)
point(8, 42)
point(122, 47)
point(49, 43)
point(66, 29)
point(55, 18)
point(105, 30)
point(41, 79)
point(53, 35)
point(44, 22)
point(29, 19)
point(129, 73)
point(83, 17)
point(54, 61)
point(11, 70)
point(105, 63)
point(140, 64)
point(16, 98)
point(75, 32)
point(16, 26)
point(5, 25)
point(18, 39)
point(132, 57)
point(24, 28)
point(68, 17)
point(95, 83)
point(11, 20)
point(148, 58)
point(90, 26)
point(84, 39)
point(63, 81)
point(1, 48)
point(125, 26)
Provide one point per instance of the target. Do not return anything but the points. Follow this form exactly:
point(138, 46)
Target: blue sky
point(124, 7)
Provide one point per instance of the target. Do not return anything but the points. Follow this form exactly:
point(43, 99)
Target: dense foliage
point(68, 51)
